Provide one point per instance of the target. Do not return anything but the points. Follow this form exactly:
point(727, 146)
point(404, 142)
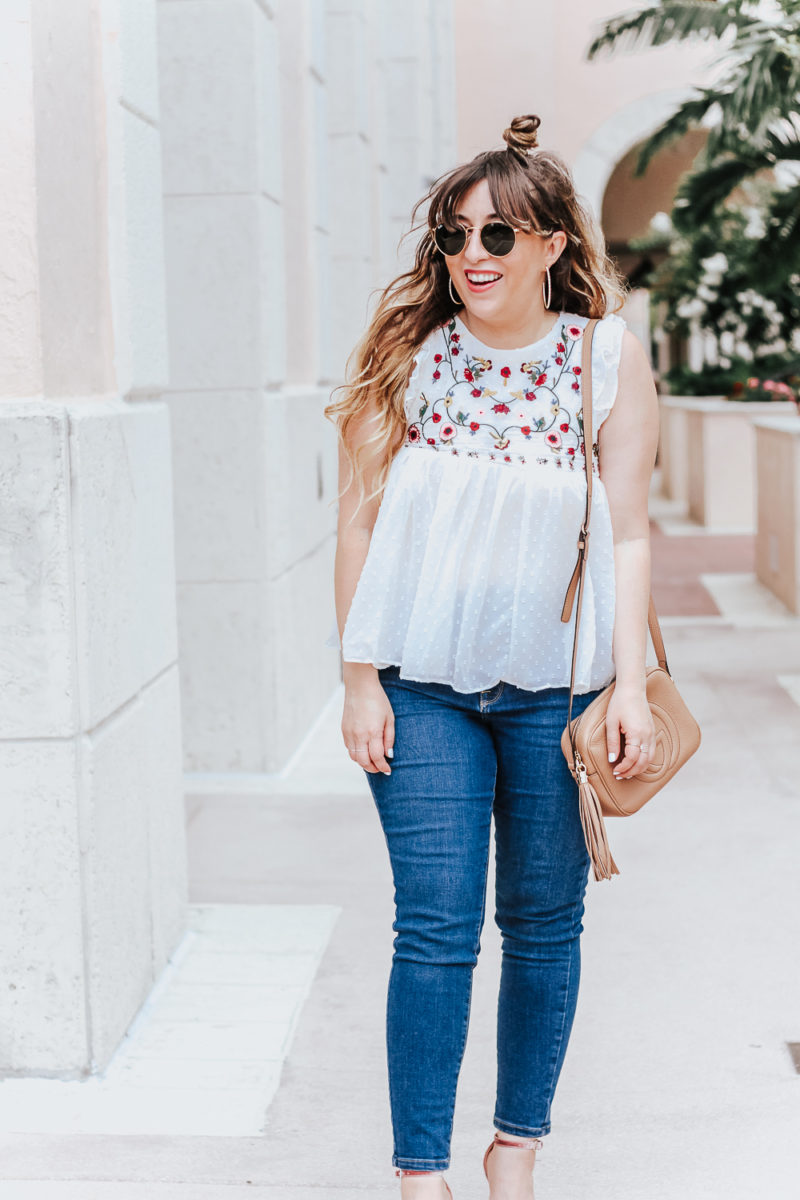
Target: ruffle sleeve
point(606, 349)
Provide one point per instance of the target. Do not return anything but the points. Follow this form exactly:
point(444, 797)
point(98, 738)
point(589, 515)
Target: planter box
point(673, 444)
point(778, 507)
point(721, 459)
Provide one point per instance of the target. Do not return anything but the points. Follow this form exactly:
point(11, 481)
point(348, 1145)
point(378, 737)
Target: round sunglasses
point(497, 238)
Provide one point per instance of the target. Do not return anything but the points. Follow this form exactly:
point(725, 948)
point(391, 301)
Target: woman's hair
point(531, 189)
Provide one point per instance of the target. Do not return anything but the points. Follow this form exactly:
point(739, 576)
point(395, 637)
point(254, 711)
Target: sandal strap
point(528, 1144)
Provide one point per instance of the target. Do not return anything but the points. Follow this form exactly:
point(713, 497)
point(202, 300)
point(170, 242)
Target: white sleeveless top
point(475, 539)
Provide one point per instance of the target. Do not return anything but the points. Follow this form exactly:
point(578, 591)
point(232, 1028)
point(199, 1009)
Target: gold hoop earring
point(456, 299)
point(547, 295)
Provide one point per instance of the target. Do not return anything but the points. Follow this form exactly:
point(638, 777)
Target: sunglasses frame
point(468, 230)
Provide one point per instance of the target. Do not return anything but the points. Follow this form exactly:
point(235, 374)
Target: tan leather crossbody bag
point(584, 739)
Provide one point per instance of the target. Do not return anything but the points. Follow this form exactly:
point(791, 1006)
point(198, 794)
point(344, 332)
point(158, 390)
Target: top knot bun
point(521, 136)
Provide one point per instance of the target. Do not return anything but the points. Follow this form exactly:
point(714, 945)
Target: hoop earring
point(547, 296)
point(456, 299)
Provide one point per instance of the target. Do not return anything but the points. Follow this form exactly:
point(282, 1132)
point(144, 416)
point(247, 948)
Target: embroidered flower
point(505, 372)
point(576, 387)
point(571, 450)
point(542, 379)
point(576, 370)
point(501, 443)
point(559, 361)
point(526, 429)
point(561, 348)
point(436, 416)
point(553, 439)
point(500, 408)
point(437, 374)
point(431, 441)
point(474, 426)
point(414, 433)
point(470, 378)
point(447, 431)
point(530, 395)
point(477, 392)
point(574, 332)
point(437, 358)
point(564, 426)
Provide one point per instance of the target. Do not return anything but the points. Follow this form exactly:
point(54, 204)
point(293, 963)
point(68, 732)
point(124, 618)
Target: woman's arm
point(367, 719)
point(627, 444)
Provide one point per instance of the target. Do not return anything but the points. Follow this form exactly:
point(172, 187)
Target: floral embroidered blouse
point(476, 535)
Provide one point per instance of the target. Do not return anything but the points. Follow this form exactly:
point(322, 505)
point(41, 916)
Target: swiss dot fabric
point(476, 536)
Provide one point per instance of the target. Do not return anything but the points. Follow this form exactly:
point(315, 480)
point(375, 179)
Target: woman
point(462, 493)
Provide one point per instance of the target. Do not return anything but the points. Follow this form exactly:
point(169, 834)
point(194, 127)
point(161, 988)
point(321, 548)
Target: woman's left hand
point(629, 714)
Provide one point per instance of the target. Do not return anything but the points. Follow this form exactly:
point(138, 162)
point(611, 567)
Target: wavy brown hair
point(531, 189)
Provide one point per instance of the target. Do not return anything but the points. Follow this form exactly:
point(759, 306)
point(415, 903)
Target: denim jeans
point(459, 758)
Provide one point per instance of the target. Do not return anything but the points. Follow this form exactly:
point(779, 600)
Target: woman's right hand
point(368, 718)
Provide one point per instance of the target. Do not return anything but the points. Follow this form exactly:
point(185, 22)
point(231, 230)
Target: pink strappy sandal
point(528, 1144)
point(403, 1171)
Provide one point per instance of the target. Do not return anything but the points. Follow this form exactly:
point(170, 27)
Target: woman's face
point(515, 297)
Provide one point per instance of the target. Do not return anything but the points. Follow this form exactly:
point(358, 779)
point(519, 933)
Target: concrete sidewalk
point(678, 1083)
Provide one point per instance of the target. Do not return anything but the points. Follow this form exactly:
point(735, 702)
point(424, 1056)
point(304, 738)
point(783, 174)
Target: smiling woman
point(463, 488)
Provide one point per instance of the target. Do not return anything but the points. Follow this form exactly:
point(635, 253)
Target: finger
point(362, 757)
point(638, 758)
point(612, 741)
point(377, 755)
point(630, 756)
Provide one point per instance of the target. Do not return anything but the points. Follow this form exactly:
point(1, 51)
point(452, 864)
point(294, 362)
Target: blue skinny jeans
point(460, 757)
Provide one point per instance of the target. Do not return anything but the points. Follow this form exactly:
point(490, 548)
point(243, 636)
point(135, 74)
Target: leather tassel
point(594, 831)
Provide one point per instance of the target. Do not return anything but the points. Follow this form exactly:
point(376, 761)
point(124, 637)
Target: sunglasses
point(497, 238)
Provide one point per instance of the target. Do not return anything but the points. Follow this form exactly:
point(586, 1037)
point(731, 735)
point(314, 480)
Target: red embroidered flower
point(576, 387)
point(436, 416)
point(470, 378)
point(553, 439)
point(476, 392)
point(437, 358)
point(431, 441)
point(447, 431)
point(474, 425)
point(583, 448)
point(530, 396)
point(455, 337)
point(576, 370)
point(437, 375)
point(559, 362)
point(542, 379)
point(507, 457)
point(561, 348)
point(455, 350)
point(500, 408)
point(505, 372)
point(571, 450)
point(526, 430)
point(574, 331)
point(564, 427)
point(414, 433)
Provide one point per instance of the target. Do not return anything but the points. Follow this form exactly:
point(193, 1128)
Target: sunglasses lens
point(498, 239)
point(450, 241)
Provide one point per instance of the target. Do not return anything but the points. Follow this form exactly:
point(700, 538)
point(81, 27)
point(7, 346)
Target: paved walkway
point(678, 1084)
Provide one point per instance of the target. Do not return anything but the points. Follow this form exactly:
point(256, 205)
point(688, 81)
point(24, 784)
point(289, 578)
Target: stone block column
point(92, 850)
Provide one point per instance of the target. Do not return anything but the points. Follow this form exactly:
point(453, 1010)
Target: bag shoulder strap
point(576, 582)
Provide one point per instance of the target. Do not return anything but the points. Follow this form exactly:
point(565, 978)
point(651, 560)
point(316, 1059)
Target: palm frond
point(674, 20)
point(687, 117)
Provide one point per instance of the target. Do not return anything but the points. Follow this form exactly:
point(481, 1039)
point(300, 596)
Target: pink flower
point(574, 332)
point(553, 439)
point(561, 348)
point(447, 431)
